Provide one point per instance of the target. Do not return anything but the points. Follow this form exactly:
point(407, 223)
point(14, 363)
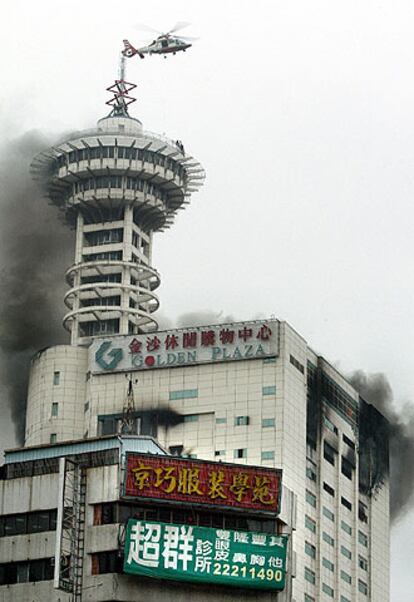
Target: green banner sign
point(188, 553)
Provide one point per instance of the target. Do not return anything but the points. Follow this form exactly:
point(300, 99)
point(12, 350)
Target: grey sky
point(302, 114)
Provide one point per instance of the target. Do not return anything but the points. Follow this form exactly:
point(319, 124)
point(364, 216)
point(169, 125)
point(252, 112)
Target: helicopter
point(164, 44)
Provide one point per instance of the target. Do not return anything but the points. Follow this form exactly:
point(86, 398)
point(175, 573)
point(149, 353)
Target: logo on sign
point(103, 353)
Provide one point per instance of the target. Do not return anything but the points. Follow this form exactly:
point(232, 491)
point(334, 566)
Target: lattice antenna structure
point(128, 424)
point(116, 185)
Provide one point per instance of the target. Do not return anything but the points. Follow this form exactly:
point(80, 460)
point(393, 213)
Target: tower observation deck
point(116, 185)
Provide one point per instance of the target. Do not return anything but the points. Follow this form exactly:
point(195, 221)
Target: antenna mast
point(120, 90)
point(128, 424)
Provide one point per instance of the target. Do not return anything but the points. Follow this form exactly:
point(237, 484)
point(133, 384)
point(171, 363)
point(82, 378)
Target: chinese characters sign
point(189, 553)
point(196, 482)
point(222, 343)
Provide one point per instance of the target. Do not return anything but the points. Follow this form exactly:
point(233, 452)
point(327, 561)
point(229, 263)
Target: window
point(221, 420)
point(89, 329)
point(345, 577)
point(362, 587)
point(190, 418)
point(329, 489)
point(105, 237)
point(363, 563)
point(55, 408)
point(311, 473)
point(268, 455)
point(343, 599)
point(26, 571)
point(329, 453)
point(30, 522)
point(269, 390)
point(268, 422)
point(310, 524)
point(269, 360)
point(297, 364)
point(309, 598)
point(328, 590)
point(362, 512)
point(240, 453)
point(346, 468)
point(329, 540)
point(326, 512)
point(56, 378)
point(328, 564)
point(329, 424)
point(309, 575)
point(346, 503)
point(220, 452)
point(345, 552)
point(184, 394)
point(53, 438)
point(86, 406)
point(363, 539)
point(241, 421)
point(310, 498)
point(345, 527)
point(350, 443)
point(310, 550)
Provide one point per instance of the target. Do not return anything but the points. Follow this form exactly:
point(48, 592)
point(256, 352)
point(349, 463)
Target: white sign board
point(185, 346)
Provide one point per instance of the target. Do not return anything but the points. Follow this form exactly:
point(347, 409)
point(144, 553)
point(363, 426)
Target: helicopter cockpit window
point(164, 43)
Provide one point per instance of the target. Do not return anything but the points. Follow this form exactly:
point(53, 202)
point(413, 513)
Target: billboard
point(185, 346)
point(198, 482)
point(201, 554)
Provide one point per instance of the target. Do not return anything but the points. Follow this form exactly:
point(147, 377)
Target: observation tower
point(116, 185)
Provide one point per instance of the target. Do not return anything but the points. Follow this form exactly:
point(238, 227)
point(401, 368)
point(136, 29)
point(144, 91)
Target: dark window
point(346, 468)
point(329, 489)
point(346, 503)
point(297, 364)
point(362, 512)
point(329, 453)
point(241, 421)
point(350, 443)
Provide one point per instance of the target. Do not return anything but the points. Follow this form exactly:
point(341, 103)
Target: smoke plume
point(376, 389)
point(202, 318)
point(35, 250)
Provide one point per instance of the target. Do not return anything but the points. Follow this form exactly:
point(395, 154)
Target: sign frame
point(193, 502)
point(196, 554)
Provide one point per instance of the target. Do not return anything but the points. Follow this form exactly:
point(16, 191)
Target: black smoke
point(35, 250)
point(375, 389)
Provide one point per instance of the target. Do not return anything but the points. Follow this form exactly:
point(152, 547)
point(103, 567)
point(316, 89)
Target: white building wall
point(57, 376)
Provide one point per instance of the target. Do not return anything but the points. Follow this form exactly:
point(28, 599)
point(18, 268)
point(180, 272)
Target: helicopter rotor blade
point(188, 38)
point(143, 27)
point(178, 26)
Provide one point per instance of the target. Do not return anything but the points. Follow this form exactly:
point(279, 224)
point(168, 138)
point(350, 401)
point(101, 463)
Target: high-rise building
point(248, 393)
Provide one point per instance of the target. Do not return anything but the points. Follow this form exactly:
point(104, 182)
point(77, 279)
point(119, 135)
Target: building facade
point(251, 393)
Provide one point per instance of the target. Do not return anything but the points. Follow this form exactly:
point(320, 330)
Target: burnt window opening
point(346, 503)
point(362, 512)
point(329, 453)
point(346, 468)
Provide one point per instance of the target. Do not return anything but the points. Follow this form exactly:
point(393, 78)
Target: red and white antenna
point(120, 90)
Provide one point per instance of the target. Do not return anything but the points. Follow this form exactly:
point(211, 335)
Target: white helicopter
point(165, 43)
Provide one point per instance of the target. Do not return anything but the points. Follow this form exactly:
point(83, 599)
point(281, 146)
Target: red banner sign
point(205, 483)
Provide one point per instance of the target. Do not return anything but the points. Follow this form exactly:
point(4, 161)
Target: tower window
point(56, 378)
point(240, 453)
point(241, 421)
point(55, 409)
point(53, 438)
